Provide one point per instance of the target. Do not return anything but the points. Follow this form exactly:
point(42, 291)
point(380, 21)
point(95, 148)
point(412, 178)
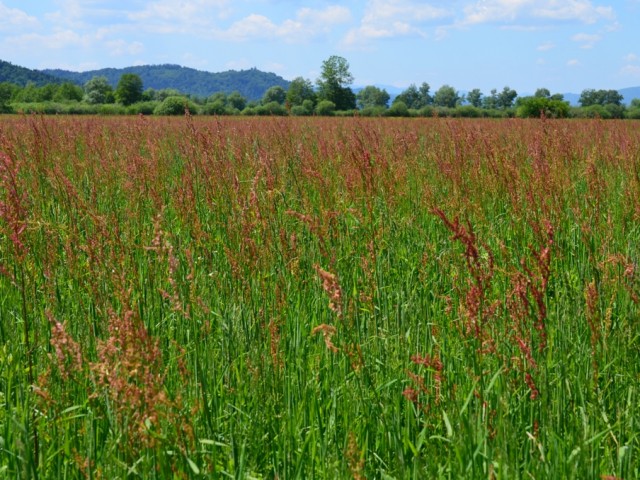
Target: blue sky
point(565, 46)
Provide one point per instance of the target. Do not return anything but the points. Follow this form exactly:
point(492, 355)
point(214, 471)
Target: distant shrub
point(308, 105)
point(373, 111)
point(176, 105)
point(345, 113)
point(326, 108)
point(398, 109)
point(468, 111)
point(217, 107)
point(48, 108)
point(426, 111)
point(111, 109)
point(534, 107)
point(305, 109)
point(271, 108)
point(143, 108)
point(592, 111)
point(299, 111)
point(633, 113)
point(77, 108)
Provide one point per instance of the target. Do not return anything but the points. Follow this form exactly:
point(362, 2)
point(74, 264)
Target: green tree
point(176, 105)
point(590, 97)
point(237, 101)
point(216, 104)
point(300, 90)
point(446, 96)
point(7, 90)
point(271, 108)
point(536, 106)
point(490, 102)
point(474, 97)
point(305, 109)
point(164, 93)
point(325, 107)
point(31, 93)
point(372, 96)
point(634, 109)
point(129, 89)
point(414, 97)
point(334, 81)
point(98, 91)
point(506, 98)
point(68, 92)
point(398, 109)
point(542, 93)
point(275, 94)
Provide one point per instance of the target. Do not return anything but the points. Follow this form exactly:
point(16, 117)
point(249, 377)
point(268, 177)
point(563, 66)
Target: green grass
point(319, 298)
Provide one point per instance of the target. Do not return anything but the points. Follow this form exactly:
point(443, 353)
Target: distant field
point(319, 298)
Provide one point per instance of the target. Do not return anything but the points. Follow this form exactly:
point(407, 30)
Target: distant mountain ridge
point(22, 76)
point(250, 83)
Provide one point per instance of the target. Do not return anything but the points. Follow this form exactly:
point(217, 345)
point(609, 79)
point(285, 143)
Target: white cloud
point(631, 58)
point(394, 18)
point(13, 19)
point(486, 11)
point(55, 41)
point(179, 10)
point(581, 10)
point(631, 71)
point(587, 40)
point(77, 14)
point(546, 46)
point(120, 47)
point(573, 63)
point(489, 11)
point(308, 23)
point(169, 16)
point(251, 26)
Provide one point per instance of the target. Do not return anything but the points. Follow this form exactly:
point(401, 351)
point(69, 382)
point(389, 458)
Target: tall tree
point(446, 96)
point(506, 98)
point(600, 97)
point(334, 81)
point(6, 93)
point(372, 96)
point(97, 90)
point(129, 89)
point(542, 93)
point(68, 91)
point(236, 101)
point(300, 90)
point(491, 102)
point(414, 97)
point(474, 97)
point(274, 94)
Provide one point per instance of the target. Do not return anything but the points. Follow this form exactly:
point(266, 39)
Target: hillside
point(21, 76)
point(250, 83)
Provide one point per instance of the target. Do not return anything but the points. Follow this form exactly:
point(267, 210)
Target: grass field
point(319, 298)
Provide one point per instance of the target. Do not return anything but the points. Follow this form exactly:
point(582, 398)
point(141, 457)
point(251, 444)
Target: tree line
point(331, 94)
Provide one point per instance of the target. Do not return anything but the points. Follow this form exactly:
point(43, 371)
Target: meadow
point(319, 298)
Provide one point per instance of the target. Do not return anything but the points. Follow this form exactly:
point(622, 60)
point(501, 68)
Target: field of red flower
point(319, 298)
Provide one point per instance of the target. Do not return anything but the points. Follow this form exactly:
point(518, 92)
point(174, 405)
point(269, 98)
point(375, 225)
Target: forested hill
point(21, 76)
point(250, 83)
